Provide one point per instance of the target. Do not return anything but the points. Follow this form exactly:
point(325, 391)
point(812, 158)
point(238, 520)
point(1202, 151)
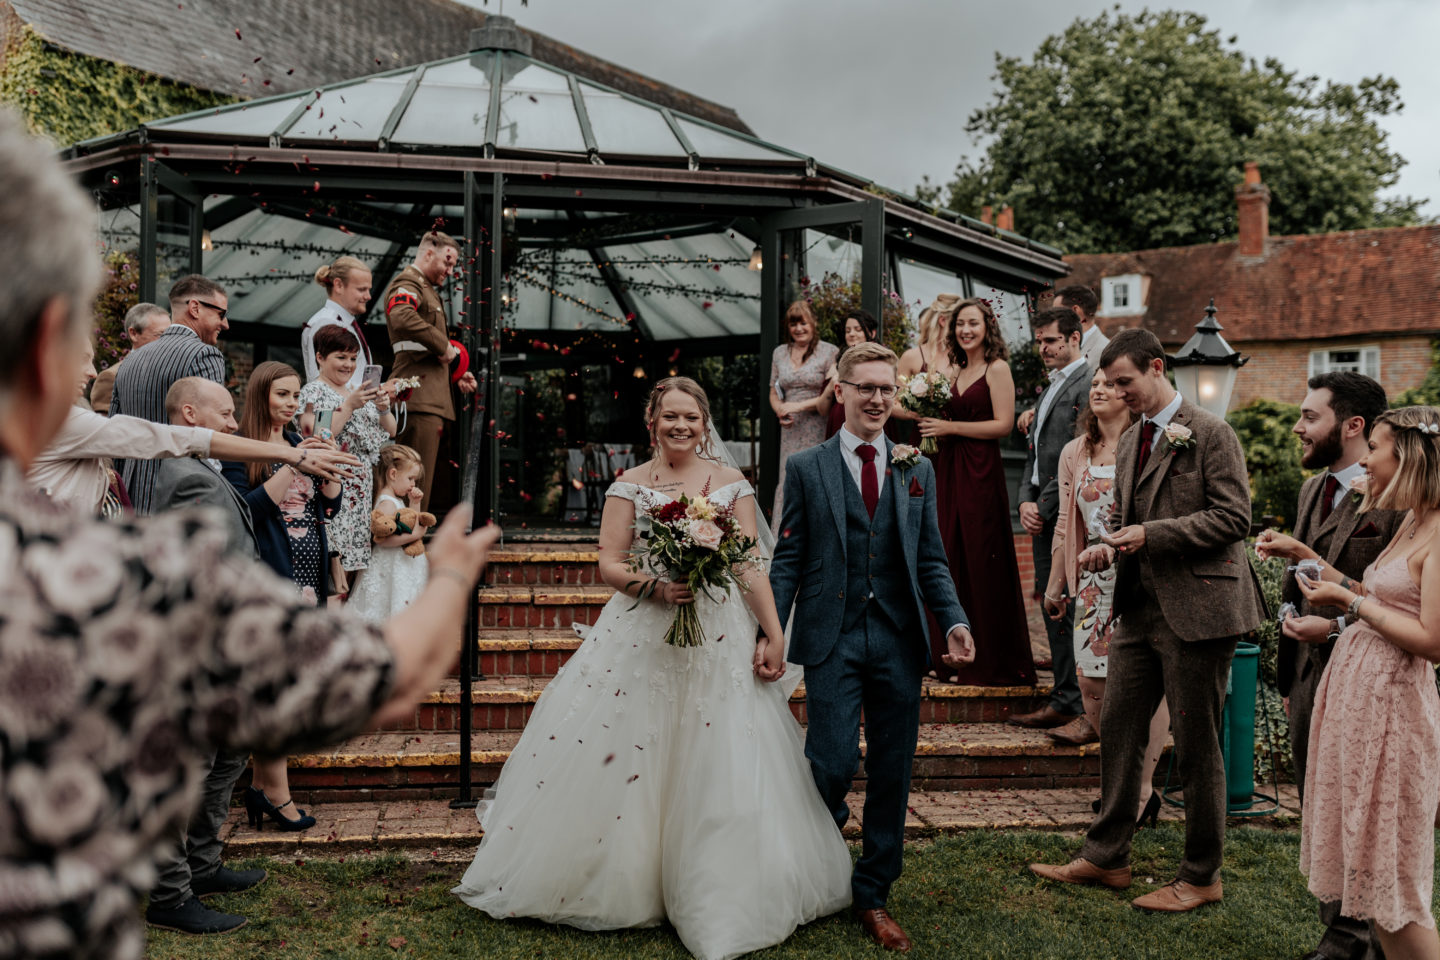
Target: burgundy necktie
point(360, 334)
point(1327, 496)
point(1147, 440)
point(869, 480)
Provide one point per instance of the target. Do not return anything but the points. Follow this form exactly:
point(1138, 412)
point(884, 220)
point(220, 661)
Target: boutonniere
point(915, 489)
point(904, 455)
point(1359, 486)
point(1179, 436)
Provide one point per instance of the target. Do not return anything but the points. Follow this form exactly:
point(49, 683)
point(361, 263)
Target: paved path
point(431, 824)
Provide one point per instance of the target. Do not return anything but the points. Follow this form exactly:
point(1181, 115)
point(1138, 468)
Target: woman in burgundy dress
point(860, 327)
point(972, 502)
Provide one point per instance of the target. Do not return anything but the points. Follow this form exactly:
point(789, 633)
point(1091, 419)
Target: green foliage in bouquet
point(1272, 458)
point(69, 97)
point(834, 299)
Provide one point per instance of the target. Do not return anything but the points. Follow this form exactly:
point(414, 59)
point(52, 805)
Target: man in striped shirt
point(198, 307)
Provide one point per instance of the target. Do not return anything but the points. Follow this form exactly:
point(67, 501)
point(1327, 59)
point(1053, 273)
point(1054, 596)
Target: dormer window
point(1121, 296)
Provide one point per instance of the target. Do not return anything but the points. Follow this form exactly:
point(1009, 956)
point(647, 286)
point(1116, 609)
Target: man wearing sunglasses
point(187, 348)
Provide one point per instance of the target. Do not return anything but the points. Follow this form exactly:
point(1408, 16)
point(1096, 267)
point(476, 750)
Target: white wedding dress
point(656, 782)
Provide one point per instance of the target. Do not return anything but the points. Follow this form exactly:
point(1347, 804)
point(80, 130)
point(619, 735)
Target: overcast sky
point(882, 88)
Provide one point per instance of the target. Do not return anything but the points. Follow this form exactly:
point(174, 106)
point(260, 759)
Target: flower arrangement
point(903, 455)
point(404, 387)
point(927, 395)
point(1179, 436)
point(696, 543)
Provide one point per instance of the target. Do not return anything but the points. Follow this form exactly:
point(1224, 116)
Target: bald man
point(194, 482)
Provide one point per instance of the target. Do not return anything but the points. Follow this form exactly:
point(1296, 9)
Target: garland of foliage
point(834, 299)
point(70, 97)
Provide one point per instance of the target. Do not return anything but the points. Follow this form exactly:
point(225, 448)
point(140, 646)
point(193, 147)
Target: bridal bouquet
point(926, 394)
point(693, 542)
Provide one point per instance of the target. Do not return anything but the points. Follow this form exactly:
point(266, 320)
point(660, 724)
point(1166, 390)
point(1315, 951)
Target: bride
point(664, 783)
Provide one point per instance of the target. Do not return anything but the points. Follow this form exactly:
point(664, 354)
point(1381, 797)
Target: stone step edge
point(418, 753)
point(519, 692)
point(517, 556)
point(433, 824)
point(542, 595)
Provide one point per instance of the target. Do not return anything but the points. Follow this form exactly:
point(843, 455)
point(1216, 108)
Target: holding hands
point(769, 658)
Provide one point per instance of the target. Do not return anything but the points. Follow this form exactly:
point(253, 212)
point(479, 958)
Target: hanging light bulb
point(639, 373)
point(755, 260)
point(205, 243)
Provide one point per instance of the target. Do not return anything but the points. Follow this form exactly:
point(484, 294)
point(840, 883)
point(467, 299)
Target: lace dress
point(661, 783)
point(363, 436)
point(1095, 592)
point(391, 582)
point(798, 384)
point(1371, 787)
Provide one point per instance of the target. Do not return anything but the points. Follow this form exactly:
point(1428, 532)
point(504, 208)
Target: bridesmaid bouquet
point(926, 394)
point(695, 543)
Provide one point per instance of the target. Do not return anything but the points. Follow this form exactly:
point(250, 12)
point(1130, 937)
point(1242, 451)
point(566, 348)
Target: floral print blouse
point(127, 651)
point(363, 436)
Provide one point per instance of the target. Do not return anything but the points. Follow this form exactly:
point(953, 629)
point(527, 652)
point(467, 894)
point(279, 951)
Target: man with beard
point(1334, 430)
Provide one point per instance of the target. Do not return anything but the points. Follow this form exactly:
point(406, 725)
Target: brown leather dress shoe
point(1076, 733)
point(1177, 896)
point(1042, 719)
point(1080, 870)
point(883, 929)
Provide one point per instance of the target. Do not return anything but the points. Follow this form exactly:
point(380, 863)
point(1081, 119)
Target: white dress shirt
point(1345, 478)
point(1162, 419)
point(332, 314)
point(849, 443)
point(1048, 400)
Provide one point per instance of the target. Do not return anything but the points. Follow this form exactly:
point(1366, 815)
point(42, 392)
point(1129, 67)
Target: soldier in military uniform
point(415, 318)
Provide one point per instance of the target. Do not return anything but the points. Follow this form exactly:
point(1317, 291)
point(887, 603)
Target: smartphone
point(371, 377)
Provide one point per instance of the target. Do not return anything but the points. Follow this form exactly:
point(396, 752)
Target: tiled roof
point(1304, 287)
point(213, 44)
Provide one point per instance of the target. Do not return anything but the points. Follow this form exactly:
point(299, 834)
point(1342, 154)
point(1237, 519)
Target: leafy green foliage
point(1272, 729)
point(1272, 458)
point(1130, 132)
point(119, 293)
point(1428, 393)
point(70, 97)
point(835, 299)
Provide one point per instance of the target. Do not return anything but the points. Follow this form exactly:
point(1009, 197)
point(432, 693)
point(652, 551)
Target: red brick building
point(1365, 300)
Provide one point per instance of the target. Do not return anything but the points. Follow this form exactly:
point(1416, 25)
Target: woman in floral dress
point(361, 423)
point(797, 380)
point(1087, 498)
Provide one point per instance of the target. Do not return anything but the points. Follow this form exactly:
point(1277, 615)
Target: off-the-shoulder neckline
point(667, 496)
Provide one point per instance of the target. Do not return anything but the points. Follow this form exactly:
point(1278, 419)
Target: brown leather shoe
point(1080, 870)
point(1042, 719)
point(883, 929)
point(1177, 896)
point(1076, 733)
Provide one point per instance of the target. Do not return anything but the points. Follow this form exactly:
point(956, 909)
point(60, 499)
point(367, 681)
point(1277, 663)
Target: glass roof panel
point(447, 113)
point(460, 71)
point(623, 126)
point(709, 142)
point(356, 112)
point(243, 120)
point(538, 113)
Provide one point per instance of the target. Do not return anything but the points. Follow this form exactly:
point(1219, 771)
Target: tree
point(1131, 132)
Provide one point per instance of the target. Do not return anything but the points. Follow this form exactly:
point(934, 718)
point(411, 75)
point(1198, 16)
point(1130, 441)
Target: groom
point(859, 556)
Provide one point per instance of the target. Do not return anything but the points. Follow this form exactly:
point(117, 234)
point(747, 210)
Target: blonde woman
point(347, 284)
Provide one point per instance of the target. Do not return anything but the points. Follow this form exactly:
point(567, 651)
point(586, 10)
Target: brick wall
point(1278, 370)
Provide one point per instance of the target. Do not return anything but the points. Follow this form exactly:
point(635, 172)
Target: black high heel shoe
point(1151, 811)
point(258, 807)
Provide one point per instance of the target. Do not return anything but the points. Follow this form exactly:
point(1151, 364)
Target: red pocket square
point(915, 489)
point(1369, 530)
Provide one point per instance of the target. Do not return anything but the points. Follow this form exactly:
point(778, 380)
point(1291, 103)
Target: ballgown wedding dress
point(661, 783)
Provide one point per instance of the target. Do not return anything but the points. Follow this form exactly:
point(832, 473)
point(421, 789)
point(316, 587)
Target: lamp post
point(1206, 367)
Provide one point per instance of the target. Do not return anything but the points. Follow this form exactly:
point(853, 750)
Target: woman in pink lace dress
point(1373, 783)
point(797, 385)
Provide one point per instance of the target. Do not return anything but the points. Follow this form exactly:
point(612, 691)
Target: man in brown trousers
point(1184, 595)
point(415, 318)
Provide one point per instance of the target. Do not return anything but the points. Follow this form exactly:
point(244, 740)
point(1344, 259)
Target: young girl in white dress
point(393, 578)
point(656, 782)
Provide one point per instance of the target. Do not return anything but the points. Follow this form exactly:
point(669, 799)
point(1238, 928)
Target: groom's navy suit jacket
point(812, 569)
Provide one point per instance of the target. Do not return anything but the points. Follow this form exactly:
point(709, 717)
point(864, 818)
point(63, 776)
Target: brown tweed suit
point(1182, 601)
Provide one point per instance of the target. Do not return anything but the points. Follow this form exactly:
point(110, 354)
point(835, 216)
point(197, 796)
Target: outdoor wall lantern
point(1206, 366)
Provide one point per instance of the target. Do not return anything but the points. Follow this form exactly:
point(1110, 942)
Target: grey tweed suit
point(1183, 600)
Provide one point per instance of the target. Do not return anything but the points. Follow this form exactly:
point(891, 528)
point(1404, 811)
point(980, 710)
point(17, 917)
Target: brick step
point(515, 606)
point(505, 703)
point(547, 564)
point(522, 653)
point(424, 764)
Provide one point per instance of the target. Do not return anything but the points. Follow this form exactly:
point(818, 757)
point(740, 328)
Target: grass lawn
point(964, 896)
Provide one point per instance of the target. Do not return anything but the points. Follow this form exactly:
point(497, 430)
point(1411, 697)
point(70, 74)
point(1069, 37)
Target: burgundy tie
point(1147, 440)
point(869, 480)
point(360, 334)
point(1327, 496)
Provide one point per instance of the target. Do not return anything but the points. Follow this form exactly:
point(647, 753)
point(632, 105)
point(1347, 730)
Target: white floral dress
point(349, 529)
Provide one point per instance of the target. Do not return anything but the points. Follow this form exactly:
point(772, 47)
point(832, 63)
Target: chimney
point(1006, 219)
point(1253, 199)
point(987, 215)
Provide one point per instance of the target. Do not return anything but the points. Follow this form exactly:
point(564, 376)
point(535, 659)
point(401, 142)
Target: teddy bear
point(403, 521)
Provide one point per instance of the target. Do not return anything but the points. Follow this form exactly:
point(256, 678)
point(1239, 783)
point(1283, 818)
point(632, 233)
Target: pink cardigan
point(1065, 549)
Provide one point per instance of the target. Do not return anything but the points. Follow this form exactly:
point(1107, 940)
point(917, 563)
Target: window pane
point(537, 113)
point(709, 142)
point(624, 126)
point(351, 113)
point(247, 120)
point(447, 112)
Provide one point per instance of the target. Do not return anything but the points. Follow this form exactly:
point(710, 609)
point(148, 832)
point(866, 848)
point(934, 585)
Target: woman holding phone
point(360, 422)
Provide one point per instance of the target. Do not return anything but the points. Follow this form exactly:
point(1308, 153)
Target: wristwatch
point(1337, 626)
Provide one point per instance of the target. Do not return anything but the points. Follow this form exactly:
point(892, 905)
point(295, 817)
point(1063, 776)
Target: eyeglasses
point(867, 390)
point(220, 310)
